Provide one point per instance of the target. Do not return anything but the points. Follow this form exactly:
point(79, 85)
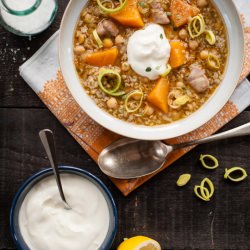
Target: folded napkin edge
point(37, 53)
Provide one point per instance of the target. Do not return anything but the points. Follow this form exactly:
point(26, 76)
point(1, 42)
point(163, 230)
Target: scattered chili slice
point(232, 170)
point(210, 185)
point(205, 165)
point(183, 180)
point(199, 195)
point(203, 192)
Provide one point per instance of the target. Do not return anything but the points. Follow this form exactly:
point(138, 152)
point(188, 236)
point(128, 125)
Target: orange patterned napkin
point(42, 73)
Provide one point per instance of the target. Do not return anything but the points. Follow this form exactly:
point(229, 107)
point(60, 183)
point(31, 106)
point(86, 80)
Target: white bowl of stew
point(117, 81)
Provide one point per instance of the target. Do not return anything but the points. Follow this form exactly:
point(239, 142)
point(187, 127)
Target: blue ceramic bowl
point(25, 188)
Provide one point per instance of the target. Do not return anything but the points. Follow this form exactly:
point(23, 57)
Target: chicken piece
point(107, 27)
point(158, 14)
point(198, 80)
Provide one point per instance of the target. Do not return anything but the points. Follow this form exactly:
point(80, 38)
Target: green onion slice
point(197, 191)
point(203, 192)
point(196, 26)
point(210, 37)
point(183, 179)
point(234, 169)
point(111, 10)
point(181, 100)
point(105, 2)
point(167, 71)
point(210, 185)
point(114, 91)
point(177, 98)
point(98, 39)
point(213, 62)
point(139, 102)
point(205, 165)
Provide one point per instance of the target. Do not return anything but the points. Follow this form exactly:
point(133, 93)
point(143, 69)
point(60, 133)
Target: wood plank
point(159, 209)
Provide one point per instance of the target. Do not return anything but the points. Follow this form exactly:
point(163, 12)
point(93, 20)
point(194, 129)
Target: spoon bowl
point(130, 158)
point(125, 157)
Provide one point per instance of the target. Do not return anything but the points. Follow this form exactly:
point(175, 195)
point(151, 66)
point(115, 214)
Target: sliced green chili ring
point(129, 95)
point(205, 193)
point(119, 93)
point(202, 159)
point(112, 10)
point(211, 187)
point(98, 39)
point(213, 62)
point(196, 188)
point(167, 71)
point(231, 170)
point(183, 180)
point(114, 91)
point(181, 100)
point(210, 37)
point(193, 26)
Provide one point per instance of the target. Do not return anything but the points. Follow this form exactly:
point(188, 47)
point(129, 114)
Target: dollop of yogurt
point(148, 51)
point(46, 225)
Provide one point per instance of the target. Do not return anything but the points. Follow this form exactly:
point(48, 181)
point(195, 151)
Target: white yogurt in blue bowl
point(39, 220)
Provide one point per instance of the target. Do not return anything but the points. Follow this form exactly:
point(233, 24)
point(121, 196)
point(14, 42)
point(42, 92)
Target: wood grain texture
point(159, 209)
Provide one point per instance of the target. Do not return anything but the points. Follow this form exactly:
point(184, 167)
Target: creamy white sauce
point(46, 225)
point(148, 51)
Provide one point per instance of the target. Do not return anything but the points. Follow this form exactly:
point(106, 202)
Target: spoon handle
point(238, 131)
point(47, 139)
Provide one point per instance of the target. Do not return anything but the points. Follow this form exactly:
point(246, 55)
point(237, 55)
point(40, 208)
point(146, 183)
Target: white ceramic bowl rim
point(205, 113)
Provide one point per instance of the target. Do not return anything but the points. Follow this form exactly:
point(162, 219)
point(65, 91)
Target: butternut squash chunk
point(129, 16)
point(159, 95)
point(181, 11)
point(102, 58)
point(177, 55)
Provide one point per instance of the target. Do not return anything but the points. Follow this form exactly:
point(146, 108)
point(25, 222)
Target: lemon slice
point(139, 243)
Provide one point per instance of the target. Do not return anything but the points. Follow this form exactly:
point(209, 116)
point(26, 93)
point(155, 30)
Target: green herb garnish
point(148, 69)
point(161, 36)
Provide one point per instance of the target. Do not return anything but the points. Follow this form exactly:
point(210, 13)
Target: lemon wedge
point(139, 243)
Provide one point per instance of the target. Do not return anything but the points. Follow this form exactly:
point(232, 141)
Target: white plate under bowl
point(180, 127)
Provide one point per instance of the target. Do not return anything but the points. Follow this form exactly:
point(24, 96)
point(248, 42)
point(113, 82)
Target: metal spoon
point(130, 158)
point(47, 139)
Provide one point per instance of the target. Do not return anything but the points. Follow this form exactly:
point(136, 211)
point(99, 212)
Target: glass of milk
point(27, 17)
point(39, 220)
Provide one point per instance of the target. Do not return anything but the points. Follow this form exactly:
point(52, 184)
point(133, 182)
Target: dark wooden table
point(158, 209)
